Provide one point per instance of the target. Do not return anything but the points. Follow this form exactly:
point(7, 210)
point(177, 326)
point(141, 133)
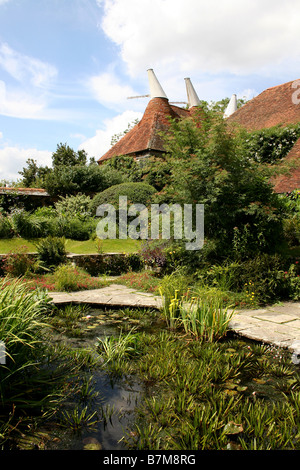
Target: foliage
point(33, 175)
point(127, 167)
point(74, 228)
point(27, 225)
point(206, 319)
point(70, 278)
point(157, 173)
point(74, 206)
point(66, 156)
point(21, 314)
point(51, 251)
point(214, 396)
point(70, 173)
point(270, 145)
point(114, 349)
point(142, 281)
point(264, 278)
point(176, 285)
point(113, 265)
point(152, 252)
point(19, 263)
point(210, 167)
point(137, 193)
point(6, 229)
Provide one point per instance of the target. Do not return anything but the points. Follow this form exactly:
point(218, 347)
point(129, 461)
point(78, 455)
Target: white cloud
point(108, 89)
point(19, 104)
point(235, 36)
point(26, 69)
point(99, 144)
point(13, 159)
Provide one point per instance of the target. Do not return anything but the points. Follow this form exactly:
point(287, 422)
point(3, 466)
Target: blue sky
point(68, 66)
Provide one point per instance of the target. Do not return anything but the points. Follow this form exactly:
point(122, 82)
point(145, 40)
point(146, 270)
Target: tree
point(66, 156)
point(210, 166)
point(33, 175)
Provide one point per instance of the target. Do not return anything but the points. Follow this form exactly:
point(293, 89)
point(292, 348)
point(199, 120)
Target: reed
point(203, 318)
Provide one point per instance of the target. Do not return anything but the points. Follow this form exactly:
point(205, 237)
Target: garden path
point(277, 324)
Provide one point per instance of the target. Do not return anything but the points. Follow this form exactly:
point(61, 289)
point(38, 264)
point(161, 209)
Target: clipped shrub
point(77, 229)
point(137, 193)
point(51, 251)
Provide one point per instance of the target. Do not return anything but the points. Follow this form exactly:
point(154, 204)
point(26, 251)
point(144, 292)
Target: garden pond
point(144, 405)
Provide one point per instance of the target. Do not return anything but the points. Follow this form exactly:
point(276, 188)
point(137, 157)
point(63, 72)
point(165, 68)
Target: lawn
point(74, 246)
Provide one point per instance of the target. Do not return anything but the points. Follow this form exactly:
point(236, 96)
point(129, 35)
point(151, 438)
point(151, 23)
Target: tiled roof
point(144, 136)
point(274, 106)
point(24, 191)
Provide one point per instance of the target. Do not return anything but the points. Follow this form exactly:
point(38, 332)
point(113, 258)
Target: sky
point(68, 67)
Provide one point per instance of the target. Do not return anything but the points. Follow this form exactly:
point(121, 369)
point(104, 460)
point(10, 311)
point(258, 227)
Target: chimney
point(156, 90)
point(232, 107)
point(192, 96)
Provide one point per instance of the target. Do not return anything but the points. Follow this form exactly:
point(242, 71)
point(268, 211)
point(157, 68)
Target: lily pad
point(90, 443)
point(233, 428)
point(260, 381)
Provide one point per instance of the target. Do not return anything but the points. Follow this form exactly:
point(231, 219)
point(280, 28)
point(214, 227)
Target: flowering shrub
point(144, 281)
point(270, 145)
point(66, 278)
point(263, 279)
point(19, 263)
point(153, 253)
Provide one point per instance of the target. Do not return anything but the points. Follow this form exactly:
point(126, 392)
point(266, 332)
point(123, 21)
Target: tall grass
point(21, 320)
point(205, 318)
point(23, 385)
point(202, 313)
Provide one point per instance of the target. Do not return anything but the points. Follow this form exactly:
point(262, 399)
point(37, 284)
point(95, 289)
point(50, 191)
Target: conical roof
point(232, 106)
point(145, 137)
point(193, 99)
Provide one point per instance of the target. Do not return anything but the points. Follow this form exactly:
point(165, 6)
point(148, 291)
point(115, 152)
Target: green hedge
point(137, 193)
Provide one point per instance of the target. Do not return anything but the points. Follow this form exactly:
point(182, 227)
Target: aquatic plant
point(207, 319)
point(114, 348)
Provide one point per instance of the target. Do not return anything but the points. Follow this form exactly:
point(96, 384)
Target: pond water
point(115, 398)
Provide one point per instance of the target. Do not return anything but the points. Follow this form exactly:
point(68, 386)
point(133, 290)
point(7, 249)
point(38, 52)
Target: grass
point(74, 246)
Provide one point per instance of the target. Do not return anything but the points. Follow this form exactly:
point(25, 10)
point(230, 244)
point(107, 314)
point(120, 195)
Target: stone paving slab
point(114, 295)
point(277, 324)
